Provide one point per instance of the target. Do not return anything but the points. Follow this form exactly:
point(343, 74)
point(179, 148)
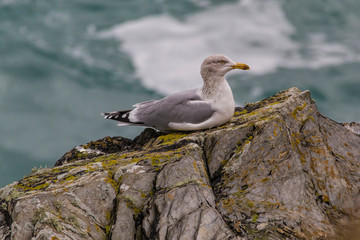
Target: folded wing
point(183, 107)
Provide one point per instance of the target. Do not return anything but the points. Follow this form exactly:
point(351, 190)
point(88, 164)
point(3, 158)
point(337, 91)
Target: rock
point(277, 170)
point(95, 149)
point(354, 127)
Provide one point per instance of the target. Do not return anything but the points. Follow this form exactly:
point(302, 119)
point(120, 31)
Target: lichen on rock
point(278, 170)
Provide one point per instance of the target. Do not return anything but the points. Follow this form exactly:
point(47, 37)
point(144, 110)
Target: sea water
point(62, 63)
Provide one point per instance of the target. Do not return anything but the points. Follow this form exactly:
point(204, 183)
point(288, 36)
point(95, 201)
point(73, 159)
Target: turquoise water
point(64, 62)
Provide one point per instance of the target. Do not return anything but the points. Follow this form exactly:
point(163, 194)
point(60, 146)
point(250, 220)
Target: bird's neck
point(220, 95)
point(214, 86)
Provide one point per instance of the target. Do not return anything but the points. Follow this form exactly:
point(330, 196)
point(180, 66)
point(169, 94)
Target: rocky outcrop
point(277, 170)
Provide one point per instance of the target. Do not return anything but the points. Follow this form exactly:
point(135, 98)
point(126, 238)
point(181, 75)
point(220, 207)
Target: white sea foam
point(167, 53)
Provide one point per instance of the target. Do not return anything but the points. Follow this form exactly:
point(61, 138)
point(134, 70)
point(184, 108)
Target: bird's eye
point(221, 61)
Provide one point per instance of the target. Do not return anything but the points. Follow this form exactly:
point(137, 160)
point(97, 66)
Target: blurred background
point(62, 63)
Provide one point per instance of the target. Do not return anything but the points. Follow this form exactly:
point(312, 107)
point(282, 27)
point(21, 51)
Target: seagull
point(201, 108)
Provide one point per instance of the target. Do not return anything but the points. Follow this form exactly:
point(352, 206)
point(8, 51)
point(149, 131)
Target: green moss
point(241, 199)
point(107, 230)
point(155, 161)
point(265, 179)
point(254, 219)
point(228, 204)
point(113, 183)
point(158, 159)
point(3, 206)
point(91, 167)
point(250, 204)
point(72, 220)
point(33, 180)
point(107, 157)
point(130, 204)
point(39, 215)
point(170, 139)
point(63, 169)
point(57, 205)
point(30, 187)
point(241, 144)
point(120, 179)
point(152, 192)
point(241, 112)
point(74, 203)
point(81, 155)
point(41, 180)
point(13, 195)
point(53, 223)
point(108, 216)
point(186, 182)
point(274, 103)
point(70, 178)
point(195, 167)
point(240, 193)
point(109, 163)
point(56, 170)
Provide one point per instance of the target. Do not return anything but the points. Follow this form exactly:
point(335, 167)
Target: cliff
point(277, 170)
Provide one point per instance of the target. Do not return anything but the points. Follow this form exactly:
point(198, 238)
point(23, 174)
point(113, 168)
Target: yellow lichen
point(70, 178)
point(36, 187)
point(265, 179)
point(108, 216)
point(130, 204)
point(294, 113)
point(113, 183)
point(97, 228)
point(170, 139)
point(311, 118)
point(107, 230)
point(241, 112)
point(195, 167)
point(155, 161)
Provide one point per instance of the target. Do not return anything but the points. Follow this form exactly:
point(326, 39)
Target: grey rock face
point(277, 170)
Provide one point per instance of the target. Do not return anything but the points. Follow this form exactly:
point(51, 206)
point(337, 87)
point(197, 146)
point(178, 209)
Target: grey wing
point(178, 108)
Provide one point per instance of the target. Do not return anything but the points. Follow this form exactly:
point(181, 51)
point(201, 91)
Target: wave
point(167, 52)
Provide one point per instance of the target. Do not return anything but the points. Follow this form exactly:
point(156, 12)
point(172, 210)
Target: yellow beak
point(242, 66)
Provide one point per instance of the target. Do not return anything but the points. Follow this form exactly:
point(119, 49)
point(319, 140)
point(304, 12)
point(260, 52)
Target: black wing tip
point(121, 116)
point(106, 115)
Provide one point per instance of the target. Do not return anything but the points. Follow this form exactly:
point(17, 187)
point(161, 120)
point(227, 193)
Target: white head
point(218, 65)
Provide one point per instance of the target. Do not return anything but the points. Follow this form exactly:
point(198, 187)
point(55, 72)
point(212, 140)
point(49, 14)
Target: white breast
point(222, 101)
